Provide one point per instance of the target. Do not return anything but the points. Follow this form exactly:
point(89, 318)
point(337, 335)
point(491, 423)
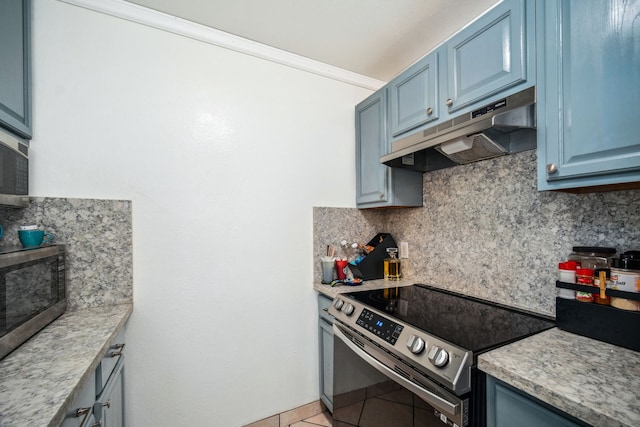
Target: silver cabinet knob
point(449, 102)
point(381, 195)
point(552, 168)
point(429, 111)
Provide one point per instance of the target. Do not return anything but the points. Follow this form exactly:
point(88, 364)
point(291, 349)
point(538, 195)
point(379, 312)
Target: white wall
point(223, 155)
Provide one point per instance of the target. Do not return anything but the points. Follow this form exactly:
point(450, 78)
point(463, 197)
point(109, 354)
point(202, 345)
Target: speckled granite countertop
point(365, 286)
point(41, 379)
point(595, 382)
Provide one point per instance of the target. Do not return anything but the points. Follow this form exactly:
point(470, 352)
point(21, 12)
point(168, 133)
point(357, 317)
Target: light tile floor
point(323, 419)
point(313, 414)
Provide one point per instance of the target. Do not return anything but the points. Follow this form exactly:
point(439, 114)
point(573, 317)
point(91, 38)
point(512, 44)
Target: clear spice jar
point(592, 256)
point(625, 276)
point(584, 277)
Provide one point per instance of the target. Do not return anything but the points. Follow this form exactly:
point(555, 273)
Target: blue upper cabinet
point(588, 93)
point(378, 185)
point(15, 73)
point(371, 143)
point(413, 96)
point(489, 59)
point(488, 56)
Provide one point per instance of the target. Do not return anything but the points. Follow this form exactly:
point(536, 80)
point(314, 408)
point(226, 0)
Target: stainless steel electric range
point(407, 356)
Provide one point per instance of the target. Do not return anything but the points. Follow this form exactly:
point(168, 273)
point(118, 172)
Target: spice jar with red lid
point(584, 277)
point(567, 274)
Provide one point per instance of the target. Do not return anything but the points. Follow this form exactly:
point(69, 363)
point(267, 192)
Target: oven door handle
point(435, 400)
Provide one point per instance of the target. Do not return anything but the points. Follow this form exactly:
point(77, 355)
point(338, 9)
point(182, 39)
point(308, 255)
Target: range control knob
point(338, 303)
point(438, 356)
point(415, 344)
point(348, 309)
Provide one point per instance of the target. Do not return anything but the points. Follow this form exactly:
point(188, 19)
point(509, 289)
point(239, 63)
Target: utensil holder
point(372, 266)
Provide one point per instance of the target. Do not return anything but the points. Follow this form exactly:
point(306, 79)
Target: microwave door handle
point(435, 400)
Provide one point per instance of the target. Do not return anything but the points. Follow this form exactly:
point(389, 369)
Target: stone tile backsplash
point(98, 235)
point(486, 231)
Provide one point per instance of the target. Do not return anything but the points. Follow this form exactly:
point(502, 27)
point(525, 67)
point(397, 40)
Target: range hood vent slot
point(503, 127)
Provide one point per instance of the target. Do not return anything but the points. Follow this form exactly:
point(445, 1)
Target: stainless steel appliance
point(32, 292)
point(14, 171)
point(407, 356)
point(505, 126)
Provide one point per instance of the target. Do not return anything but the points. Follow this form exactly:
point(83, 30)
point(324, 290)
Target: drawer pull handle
point(82, 411)
point(86, 412)
point(120, 348)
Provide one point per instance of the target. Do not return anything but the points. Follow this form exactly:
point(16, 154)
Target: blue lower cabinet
point(81, 412)
point(588, 91)
point(325, 328)
point(101, 399)
point(109, 407)
point(509, 407)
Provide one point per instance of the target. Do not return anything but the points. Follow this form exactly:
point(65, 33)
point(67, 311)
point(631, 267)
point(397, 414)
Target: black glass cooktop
point(467, 322)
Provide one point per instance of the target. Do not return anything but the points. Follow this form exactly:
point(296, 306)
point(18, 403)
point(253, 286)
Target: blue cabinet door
point(508, 407)
point(378, 185)
point(15, 73)
point(109, 407)
point(413, 96)
point(488, 56)
point(588, 93)
point(325, 324)
point(81, 410)
point(371, 143)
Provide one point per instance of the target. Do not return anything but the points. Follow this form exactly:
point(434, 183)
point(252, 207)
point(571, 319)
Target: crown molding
point(165, 22)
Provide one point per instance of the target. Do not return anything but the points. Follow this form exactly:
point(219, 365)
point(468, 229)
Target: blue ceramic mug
point(34, 238)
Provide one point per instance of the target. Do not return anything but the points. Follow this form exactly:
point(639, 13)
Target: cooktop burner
point(470, 323)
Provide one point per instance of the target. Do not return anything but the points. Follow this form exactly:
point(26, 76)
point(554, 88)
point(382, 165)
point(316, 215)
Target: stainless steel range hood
point(502, 127)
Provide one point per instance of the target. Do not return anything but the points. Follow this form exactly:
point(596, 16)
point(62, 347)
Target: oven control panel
point(379, 325)
point(438, 359)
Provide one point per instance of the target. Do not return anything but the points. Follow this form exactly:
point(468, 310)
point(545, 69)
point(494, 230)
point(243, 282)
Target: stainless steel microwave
point(32, 292)
point(14, 171)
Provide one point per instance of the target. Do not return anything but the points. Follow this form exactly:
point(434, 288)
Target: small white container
point(567, 274)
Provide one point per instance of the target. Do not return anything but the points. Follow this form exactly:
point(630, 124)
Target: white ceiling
point(375, 38)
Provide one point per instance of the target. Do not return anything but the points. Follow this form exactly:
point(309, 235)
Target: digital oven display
point(380, 326)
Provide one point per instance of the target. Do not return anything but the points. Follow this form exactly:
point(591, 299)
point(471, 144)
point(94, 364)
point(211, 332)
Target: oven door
point(372, 388)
